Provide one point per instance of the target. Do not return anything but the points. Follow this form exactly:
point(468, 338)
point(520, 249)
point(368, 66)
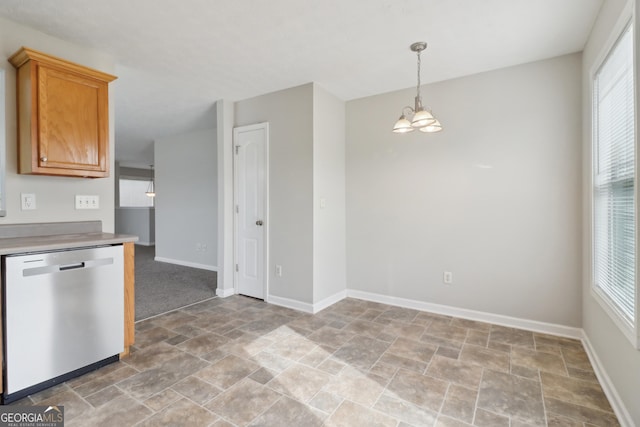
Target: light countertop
point(51, 236)
point(61, 241)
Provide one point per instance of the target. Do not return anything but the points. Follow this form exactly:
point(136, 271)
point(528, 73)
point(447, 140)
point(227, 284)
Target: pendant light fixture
point(151, 190)
point(417, 117)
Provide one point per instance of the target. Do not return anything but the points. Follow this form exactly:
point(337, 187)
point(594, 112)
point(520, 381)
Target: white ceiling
point(176, 58)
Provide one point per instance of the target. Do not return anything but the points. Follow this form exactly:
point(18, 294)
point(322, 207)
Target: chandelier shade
point(422, 118)
point(403, 125)
point(433, 127)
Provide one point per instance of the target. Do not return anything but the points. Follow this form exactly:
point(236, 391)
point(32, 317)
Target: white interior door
point(250, 187)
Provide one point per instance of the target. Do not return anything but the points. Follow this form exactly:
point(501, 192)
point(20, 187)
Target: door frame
point(265, 250)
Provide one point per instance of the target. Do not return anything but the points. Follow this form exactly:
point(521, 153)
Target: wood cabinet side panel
point(129, 296)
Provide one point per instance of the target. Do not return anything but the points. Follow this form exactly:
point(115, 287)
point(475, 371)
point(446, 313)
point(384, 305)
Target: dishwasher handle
point(60, 268)
point(71, 266)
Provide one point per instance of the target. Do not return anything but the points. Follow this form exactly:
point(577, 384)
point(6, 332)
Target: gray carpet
point(162, 287)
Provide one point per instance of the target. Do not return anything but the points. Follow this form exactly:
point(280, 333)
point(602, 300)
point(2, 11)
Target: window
point(614, 215)
point(132, 193)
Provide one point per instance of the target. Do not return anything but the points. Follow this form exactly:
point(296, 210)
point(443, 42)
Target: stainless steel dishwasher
point(64, 315)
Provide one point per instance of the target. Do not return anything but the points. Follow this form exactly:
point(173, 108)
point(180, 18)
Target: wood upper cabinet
point(63, 116)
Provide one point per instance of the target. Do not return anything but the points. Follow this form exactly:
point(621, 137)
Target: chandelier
point(417, 117)
point(151, 190)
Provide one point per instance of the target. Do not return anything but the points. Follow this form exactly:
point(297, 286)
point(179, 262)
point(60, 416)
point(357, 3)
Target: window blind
point(614, 178)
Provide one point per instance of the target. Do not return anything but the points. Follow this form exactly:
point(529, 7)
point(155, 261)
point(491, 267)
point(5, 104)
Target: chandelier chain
point(418, 86)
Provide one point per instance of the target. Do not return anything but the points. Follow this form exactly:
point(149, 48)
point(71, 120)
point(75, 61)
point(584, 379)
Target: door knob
point(259, 222)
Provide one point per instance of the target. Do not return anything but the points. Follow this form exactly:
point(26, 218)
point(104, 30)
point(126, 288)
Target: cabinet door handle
point(259, 222)
point(43, 158)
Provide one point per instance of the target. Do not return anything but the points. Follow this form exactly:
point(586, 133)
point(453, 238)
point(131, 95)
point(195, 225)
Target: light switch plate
point(28, 201)
point(87, 202)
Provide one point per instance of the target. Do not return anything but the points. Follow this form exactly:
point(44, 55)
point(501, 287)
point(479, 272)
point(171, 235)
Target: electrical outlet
point(28, 201)
point(87, 202)
point(447, 277)
point(278, 271)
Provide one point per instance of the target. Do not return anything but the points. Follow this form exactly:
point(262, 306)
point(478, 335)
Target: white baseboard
point(223, 293)
point(498, 319)
point(607, 385)
point(321, 305)
point(187, 263)
point(290, 303)
point(305, 306)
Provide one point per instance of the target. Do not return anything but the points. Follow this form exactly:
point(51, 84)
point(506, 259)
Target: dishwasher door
point(63, 311)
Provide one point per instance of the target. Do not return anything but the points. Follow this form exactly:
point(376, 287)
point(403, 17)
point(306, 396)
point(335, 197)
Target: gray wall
point(617, 356)
point(186, 172)
point(138, 222)
point(55, 196)
point(329, 222)
point(224, 119)
point(290, 116)
point(494, 198)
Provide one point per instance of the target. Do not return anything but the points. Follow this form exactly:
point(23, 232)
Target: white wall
point(55, 196)
point(494, 198)
point(290, 116)
point(186, 205)
point(329, 222)
point(615, 353)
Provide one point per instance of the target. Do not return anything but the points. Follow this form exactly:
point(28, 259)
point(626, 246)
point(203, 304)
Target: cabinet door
point(72, 122)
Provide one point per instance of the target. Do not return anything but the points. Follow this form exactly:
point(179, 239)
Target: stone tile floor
point(239, 361)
